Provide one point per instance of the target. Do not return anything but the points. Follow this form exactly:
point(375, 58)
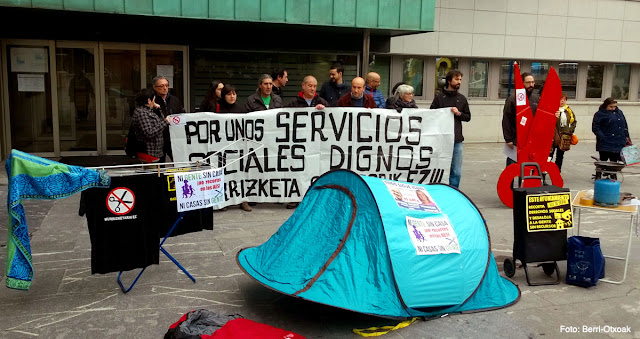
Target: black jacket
point(398, 104)
point(454, 99)
point(509, 130)
point(255, 103)
point(172, 106)
point(300, 102)
point(332, 92)
point(235, 108)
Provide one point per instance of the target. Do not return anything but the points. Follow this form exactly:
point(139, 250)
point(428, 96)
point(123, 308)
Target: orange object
point(574, 139)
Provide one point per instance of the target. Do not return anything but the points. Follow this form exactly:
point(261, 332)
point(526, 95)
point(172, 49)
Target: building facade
point(592, 44)
point(70, 69)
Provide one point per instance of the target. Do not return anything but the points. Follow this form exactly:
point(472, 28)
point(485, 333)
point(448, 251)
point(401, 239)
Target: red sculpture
point(534, 137)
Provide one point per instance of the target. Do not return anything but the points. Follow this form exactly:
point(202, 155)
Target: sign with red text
point(432, 236)
point(196, 190)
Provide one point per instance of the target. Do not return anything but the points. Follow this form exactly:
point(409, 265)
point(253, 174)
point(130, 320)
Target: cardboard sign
point(196, 190)
point(432, 236)
point(549, 212)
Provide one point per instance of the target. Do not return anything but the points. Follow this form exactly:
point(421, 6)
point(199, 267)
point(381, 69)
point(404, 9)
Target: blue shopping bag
point(585, 262)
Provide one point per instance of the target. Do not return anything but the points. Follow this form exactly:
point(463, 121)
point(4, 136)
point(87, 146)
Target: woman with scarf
point(565, 126)
point(403, 98)
point(149, 126)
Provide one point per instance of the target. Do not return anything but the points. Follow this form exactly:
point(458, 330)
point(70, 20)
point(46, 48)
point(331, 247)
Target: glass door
point(77, 92)
point(120, 82)
point(31, 117)
point(161, 61)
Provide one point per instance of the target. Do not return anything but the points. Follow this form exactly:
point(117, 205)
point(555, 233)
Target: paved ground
point(66, 301)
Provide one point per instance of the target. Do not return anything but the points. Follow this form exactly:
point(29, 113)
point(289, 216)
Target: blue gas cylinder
point(606, 192)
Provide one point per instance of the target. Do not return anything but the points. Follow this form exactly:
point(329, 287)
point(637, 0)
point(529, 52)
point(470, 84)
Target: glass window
point(169, 65)
point(507, 82)
point(413, 73)
point(121, 84)
point(382, 65)
point(443, 66)
point(30, 110)
point(620, 89)
point(76, 99)
point(568, 73)
point(595, 75)
point(243, 69)
point(539, 71)
point(478, 79)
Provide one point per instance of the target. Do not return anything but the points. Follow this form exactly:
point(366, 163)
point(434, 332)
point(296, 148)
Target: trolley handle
point(539, 177)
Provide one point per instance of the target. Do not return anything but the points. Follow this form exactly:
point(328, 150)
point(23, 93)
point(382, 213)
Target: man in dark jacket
point(450, 97)
point(308, 96)
point(280, 79)
point(263, 98)
point(168, 105)
point(335, 87)
point(509, 129)
point(357, 97)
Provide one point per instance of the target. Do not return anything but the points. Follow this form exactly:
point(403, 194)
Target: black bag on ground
point(585, 262)
point(133, 146)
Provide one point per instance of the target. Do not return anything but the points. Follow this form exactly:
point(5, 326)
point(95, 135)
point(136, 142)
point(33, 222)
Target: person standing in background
point(450, 97)
point(565, 125)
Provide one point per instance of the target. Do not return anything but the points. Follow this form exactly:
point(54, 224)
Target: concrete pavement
point(66, 301)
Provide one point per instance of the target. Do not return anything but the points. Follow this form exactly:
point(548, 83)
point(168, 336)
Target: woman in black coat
point(403, 98)
point(611, 130)
point(229, 101)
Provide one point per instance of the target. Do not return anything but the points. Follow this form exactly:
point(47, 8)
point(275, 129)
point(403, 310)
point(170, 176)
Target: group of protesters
point(150, 120)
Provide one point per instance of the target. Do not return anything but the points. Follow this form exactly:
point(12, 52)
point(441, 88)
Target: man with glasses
point(509, 112)
point(450, 97)
point(168, 105)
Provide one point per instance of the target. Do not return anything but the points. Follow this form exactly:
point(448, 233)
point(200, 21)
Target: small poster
point(167, 72)
point(196, 190)
point(30, 82)
point(432, 236)
point(29, 59)
point(412, 196)
point(549, 212)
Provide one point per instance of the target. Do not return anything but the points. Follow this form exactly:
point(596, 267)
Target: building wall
point(586, 32)
point(579, 30)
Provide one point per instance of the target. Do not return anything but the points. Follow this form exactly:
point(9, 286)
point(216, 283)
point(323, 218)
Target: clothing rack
point(162, 168)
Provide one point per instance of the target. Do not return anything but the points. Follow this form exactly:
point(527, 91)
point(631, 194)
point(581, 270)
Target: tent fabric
point(347, 245)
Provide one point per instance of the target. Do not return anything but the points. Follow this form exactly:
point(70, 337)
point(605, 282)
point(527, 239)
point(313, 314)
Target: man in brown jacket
point(357, 97)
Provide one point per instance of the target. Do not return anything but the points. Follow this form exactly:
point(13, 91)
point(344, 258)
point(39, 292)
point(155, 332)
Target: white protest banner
point(302, 143)
point(196, 190)
point(432, 236)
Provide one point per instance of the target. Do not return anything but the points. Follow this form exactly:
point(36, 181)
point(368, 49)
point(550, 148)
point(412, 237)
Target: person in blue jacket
point(611, 130)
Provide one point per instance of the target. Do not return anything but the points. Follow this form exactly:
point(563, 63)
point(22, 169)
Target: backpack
point(132, 145)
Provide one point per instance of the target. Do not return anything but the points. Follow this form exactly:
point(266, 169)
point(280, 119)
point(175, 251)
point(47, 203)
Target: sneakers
point(292, 205)
point(245, 206)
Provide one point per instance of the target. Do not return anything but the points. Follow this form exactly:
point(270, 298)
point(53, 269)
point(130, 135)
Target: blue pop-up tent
point(348, 245)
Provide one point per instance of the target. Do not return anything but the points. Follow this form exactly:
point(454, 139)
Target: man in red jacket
point(357, 97)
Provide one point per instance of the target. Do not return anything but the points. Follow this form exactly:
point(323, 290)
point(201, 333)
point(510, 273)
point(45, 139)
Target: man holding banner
point(308, 96)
